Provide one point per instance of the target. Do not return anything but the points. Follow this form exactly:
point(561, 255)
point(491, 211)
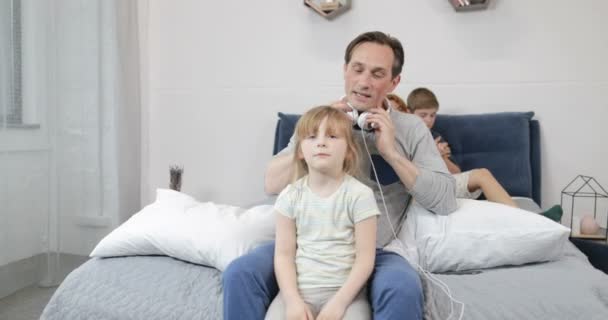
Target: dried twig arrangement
point(175, 177)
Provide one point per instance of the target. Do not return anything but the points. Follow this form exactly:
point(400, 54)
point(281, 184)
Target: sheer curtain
point(70, 171)
point(94, 122)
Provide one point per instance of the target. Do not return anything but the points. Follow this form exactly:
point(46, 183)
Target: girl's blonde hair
point(338, 123)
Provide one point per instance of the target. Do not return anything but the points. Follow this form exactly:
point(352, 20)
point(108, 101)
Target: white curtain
point(94, 123)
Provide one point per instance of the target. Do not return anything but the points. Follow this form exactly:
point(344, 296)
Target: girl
point(397, 103)
point(326, 225)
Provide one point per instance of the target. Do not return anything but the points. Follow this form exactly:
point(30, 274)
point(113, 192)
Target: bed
point(161, 287)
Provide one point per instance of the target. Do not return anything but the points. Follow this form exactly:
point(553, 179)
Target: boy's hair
point(337, 123)
point(400, 104)
point(382, 39)
point(422, 98)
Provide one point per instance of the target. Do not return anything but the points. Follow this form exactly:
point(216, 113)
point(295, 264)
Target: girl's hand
point(298, 310)
point(332, 310)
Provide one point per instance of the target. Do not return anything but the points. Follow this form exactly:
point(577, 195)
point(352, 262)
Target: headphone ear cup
point(361, 121)
point(353, 114)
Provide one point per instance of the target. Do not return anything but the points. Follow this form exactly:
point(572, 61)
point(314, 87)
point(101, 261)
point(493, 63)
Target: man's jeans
point(394, 287)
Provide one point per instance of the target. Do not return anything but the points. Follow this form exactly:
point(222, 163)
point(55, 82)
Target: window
point(10, 63)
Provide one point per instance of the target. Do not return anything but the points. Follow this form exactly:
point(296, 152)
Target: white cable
point(444, 287)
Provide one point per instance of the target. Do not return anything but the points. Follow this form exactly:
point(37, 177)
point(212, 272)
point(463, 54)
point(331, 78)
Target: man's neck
point(383, 105)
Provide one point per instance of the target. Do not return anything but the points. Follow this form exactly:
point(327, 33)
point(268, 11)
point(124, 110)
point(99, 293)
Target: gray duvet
point(566, 289)
point(164, 288)
point(158, 287)
point(147, 287)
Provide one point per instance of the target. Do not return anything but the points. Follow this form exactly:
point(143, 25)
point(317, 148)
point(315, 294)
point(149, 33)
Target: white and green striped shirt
point(325, 229)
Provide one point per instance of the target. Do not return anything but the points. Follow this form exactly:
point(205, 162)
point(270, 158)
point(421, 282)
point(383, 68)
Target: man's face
point(368, 77)
point(428, 116)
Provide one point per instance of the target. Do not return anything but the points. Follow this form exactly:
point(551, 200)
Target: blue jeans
point(394, 288)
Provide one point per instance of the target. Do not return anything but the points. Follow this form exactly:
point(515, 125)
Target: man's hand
point(298, 310)
point(341, 105)
point(332, 310)
point(384, 131)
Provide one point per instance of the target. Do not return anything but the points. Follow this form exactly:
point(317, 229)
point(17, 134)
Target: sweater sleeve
point(434, 188)
point(290, 146)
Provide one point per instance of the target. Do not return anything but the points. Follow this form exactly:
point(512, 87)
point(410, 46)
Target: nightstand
point(595, 250)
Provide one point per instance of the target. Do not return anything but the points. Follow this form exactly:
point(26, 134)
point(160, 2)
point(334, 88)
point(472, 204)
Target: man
point(373, 64)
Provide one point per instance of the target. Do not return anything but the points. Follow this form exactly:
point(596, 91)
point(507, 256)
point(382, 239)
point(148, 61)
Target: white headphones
point(360, 119)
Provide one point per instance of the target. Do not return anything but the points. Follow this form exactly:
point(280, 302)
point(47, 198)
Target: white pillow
point(480, 234)
point(178, 226)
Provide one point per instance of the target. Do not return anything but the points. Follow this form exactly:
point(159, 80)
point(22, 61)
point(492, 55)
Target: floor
point(25, 304)
point(28, 303)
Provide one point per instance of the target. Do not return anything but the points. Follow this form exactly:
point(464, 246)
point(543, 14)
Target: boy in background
point(469, 184)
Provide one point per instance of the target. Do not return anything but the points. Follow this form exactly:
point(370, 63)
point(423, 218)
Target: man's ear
point(395, 82)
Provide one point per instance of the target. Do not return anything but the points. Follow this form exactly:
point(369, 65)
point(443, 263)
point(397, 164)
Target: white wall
point(219, 71)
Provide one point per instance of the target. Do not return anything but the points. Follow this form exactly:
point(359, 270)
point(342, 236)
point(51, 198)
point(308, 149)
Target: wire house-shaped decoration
point(328, 8)
point(586, 195)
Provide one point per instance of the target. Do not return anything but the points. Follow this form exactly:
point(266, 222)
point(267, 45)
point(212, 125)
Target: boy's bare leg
point(484, 180)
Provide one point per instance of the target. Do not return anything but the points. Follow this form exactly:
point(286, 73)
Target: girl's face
point(428, 116)
point(325, 150)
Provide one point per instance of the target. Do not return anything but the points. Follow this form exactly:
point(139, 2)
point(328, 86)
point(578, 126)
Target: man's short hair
point(382, 39)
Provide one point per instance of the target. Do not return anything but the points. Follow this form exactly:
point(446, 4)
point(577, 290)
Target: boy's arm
point(446, 155)
point(452, 167)
point(365, 246)
point(285, 266)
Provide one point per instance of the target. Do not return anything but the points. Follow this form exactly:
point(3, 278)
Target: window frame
point(11, 114)
point(28, 130)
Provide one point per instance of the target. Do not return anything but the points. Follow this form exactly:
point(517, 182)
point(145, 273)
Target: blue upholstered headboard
point(507, 143)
